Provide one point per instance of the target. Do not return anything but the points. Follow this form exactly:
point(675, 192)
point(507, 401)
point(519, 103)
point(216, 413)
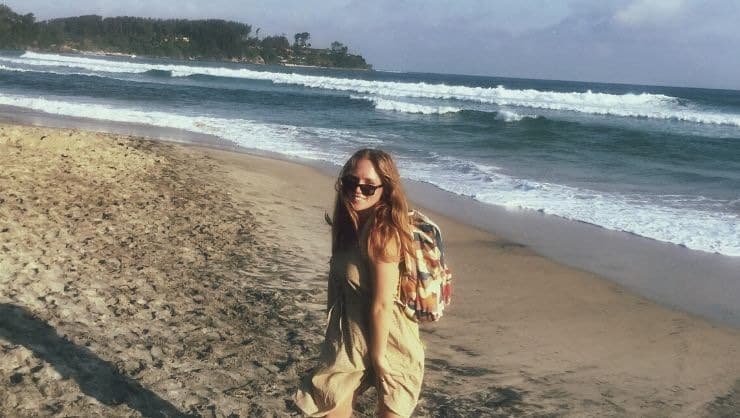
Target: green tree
point(302, 40)
point(275, 48)
point(338, 48)
point(16, 31)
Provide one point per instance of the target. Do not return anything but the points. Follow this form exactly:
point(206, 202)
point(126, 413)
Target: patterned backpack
point(425, 285)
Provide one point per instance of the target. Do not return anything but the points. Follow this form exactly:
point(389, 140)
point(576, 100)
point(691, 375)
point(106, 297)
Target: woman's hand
point(387, 378)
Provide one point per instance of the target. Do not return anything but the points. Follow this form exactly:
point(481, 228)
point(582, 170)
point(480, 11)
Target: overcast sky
point(666, 42)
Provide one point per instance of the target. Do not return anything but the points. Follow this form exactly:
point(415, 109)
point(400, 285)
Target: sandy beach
point(147, 278)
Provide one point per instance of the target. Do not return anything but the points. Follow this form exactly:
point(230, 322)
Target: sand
point(143, 278)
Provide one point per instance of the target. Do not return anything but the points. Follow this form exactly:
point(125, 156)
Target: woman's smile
point(365, 173)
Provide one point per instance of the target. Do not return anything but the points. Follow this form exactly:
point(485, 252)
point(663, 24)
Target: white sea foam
point(643, 105)
point(694, 226)
point(509, 116)
point(406, 107)
point(21, 65)
point(92, 64)
point(283, 139)
point(462, 166)
point(699, 229)
point(6, 68)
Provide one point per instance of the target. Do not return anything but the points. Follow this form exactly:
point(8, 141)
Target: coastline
point(260, 62)
point(662, 272)
point(230, 295)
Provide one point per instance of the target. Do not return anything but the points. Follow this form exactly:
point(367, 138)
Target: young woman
point(369, 340)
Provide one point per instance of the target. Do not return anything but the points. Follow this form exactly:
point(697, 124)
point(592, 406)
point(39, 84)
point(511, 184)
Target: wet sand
point(142, 278)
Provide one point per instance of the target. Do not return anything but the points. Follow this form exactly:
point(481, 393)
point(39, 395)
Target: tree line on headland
point(172, 38)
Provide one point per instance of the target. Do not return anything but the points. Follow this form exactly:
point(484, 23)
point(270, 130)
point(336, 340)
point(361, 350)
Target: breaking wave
point(678, 223)
point(405, 107)
point(642, 105)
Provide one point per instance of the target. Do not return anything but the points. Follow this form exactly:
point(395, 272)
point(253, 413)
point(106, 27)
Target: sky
point(660, 42)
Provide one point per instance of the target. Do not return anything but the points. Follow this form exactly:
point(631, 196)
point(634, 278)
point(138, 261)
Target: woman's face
point(363, 173)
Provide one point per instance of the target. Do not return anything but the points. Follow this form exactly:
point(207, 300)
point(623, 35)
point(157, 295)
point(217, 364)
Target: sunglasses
point(350, 183)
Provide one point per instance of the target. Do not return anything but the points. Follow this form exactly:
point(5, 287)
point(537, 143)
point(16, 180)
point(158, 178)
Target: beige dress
point(344, 366)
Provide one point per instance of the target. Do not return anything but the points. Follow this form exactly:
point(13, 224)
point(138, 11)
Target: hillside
point(170, 38)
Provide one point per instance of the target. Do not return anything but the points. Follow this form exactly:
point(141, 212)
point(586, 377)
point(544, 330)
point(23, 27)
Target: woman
point(369, 340)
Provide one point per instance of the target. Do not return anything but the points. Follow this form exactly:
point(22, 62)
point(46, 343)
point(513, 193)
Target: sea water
point(658, 162)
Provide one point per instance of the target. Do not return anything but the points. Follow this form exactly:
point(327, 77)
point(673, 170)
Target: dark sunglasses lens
point(367, 189)
point(349, 184)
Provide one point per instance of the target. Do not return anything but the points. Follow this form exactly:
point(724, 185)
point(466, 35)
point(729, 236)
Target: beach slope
point(155, 279)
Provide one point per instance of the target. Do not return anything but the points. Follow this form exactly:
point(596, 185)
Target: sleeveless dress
point(344, 365)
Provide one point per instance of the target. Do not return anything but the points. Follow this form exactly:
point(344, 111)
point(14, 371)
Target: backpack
point(425, 284)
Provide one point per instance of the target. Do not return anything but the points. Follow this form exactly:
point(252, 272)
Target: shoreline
point(158, 276)
point(663, 272)
point(103, 53)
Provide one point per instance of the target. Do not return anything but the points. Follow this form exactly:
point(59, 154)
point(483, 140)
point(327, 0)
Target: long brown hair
point(390, 219)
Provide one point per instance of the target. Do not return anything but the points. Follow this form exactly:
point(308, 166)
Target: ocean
point(658, 162)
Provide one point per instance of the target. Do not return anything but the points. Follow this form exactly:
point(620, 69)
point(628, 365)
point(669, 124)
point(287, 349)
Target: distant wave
point(93, 64)
point(405, 107)
point(643, 105)
point(415, 108)
point(509, 116)
point(159, 73)
point(6, 68)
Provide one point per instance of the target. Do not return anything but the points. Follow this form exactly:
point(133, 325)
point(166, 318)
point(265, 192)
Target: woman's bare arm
point(385, 283)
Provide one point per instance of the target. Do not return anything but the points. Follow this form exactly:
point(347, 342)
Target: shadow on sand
point(96, 377)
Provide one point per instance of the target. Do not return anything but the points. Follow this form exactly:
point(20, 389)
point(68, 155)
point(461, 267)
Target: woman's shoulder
point(388, 249)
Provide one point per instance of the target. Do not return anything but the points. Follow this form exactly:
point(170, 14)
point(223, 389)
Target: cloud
point(687, 42)
point(640, 12)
